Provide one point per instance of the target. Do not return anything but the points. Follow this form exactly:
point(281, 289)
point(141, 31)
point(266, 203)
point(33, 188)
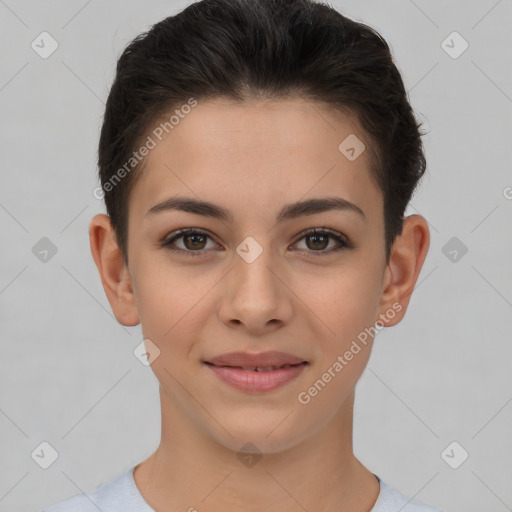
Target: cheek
point(163, 297)
point(348, 308)
point(343, 303)
point(173, 304)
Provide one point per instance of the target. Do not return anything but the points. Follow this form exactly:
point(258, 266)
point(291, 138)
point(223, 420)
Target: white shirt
point(122, 495)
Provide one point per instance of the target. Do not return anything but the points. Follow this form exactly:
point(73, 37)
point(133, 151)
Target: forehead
point(255, 153)
point(224, 126)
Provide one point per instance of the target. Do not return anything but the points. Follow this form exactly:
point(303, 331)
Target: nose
point(255, 296)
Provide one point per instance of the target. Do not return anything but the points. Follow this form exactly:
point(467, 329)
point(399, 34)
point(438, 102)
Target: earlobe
point(406, 260)
point(114, 274)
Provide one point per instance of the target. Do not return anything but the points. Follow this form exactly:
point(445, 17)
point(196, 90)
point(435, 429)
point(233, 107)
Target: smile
point(257, 379)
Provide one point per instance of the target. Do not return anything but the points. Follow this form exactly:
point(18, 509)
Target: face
point(257, 279)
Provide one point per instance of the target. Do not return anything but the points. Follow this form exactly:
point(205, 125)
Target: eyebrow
point(288, 212)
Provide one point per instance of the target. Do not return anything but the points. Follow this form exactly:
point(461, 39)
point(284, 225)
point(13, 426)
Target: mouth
point(258, 368)
point(250, 361)
point(257, 379)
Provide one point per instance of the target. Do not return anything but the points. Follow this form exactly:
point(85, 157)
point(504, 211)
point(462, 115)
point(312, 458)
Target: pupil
point(189, 237)
point(321, 239)
point(317, 237)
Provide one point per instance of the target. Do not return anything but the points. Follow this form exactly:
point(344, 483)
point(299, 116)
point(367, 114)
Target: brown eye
point(317, 241)
point(194, 242)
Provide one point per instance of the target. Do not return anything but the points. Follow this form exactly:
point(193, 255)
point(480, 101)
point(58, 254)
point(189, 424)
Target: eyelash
point(342, 240)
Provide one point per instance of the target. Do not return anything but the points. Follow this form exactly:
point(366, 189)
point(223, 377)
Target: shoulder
point(113, 496)
point(392, 500)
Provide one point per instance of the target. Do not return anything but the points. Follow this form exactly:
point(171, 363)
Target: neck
point(191, 470)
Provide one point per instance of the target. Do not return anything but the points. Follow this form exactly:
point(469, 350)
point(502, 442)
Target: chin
point(251, 433)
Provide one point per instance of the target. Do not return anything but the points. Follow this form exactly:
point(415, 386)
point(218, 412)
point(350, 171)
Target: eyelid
point(180, 233)
point(343, 240)
point(324, 230)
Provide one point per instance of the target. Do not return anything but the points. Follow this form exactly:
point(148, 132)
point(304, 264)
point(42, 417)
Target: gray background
point(68, 375)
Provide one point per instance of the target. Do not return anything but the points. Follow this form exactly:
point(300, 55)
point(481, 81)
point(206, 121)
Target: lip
point(256, 381)
point(238, 370)
point(250, 360)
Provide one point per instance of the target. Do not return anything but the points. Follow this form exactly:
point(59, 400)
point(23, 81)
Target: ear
point(406, 259)
point(114, 274)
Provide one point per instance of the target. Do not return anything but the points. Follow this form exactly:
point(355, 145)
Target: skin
point(252, 158)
